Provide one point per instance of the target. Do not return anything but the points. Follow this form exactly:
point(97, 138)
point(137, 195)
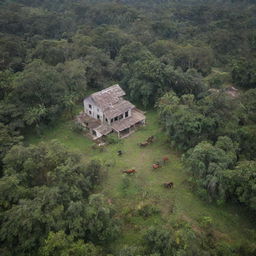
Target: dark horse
point(150, 139)
point(168, 184)
point(143, 144)
point(147, 142)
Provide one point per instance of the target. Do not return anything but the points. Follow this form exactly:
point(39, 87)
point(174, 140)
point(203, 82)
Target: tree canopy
point(193, 61)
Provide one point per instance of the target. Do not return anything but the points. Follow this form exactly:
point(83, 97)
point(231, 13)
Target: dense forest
point(194, 62)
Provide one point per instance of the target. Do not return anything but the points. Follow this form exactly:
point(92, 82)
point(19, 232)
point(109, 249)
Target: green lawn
point(232, 223)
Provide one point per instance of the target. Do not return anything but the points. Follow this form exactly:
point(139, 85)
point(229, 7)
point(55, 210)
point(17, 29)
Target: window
point(126, 113)
point(121, 117)
point(94, 132)
point(90, 112)
point(112, 120)
point(106, 120)
point(116, 118)
point(90, 106)
point(98, 116)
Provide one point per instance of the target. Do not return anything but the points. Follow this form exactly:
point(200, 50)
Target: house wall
point(129, 114)
point(98, 135)
point(94, 112)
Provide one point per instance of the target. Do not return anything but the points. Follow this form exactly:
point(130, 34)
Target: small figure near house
point(165, 159)
point(168, 185)
point(130, 171)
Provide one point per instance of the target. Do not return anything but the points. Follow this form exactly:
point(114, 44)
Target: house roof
point(137, 116)
point(119, 108)
point(103, 129)
point(107, 97)
point(88, 121)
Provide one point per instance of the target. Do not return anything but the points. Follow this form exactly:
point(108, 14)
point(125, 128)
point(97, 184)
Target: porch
point(127, 126)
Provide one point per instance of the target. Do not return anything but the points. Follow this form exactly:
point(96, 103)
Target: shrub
point(206, 222)
point(147, 210)
point(129, 251)
point(112, 139)
point(78, 128)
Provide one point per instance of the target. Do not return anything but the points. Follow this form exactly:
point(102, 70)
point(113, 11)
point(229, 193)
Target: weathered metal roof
point(107, 97)
point(103, 129)
point(137, 116)
point(88, 121)
point(119, 108)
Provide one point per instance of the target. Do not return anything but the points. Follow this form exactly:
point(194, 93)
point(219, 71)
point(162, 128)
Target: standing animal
point(130, 171)
point(168, 184)
point(143, 144)
point(165, 159)
point(150, 139)
point(156, 165)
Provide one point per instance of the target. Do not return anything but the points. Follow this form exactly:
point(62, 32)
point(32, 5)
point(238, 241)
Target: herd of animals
point(155, 165)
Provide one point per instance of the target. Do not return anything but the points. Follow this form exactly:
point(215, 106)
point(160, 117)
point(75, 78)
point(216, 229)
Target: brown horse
point(168, 184)
point(130, 171)
point(156, 166)
point(165, 159)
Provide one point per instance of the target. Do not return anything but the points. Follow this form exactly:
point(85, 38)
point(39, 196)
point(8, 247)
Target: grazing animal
point(168, 184)
point(150, 139)
point(130, 171)
point(143, 144)
point(156, 166)
point(119, 152)
point(165, 159)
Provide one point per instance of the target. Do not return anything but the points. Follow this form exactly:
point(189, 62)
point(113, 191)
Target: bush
point(159, 240)
point(147, 210)
point(218, 79)
point(129, 251)
point(206, 222)
point(112, 139)
point(202, 194)
point(78, 128)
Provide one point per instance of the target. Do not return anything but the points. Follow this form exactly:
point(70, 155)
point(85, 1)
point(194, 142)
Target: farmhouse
point(107, 111)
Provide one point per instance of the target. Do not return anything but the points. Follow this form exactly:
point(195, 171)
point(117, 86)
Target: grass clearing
point(128, 193)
